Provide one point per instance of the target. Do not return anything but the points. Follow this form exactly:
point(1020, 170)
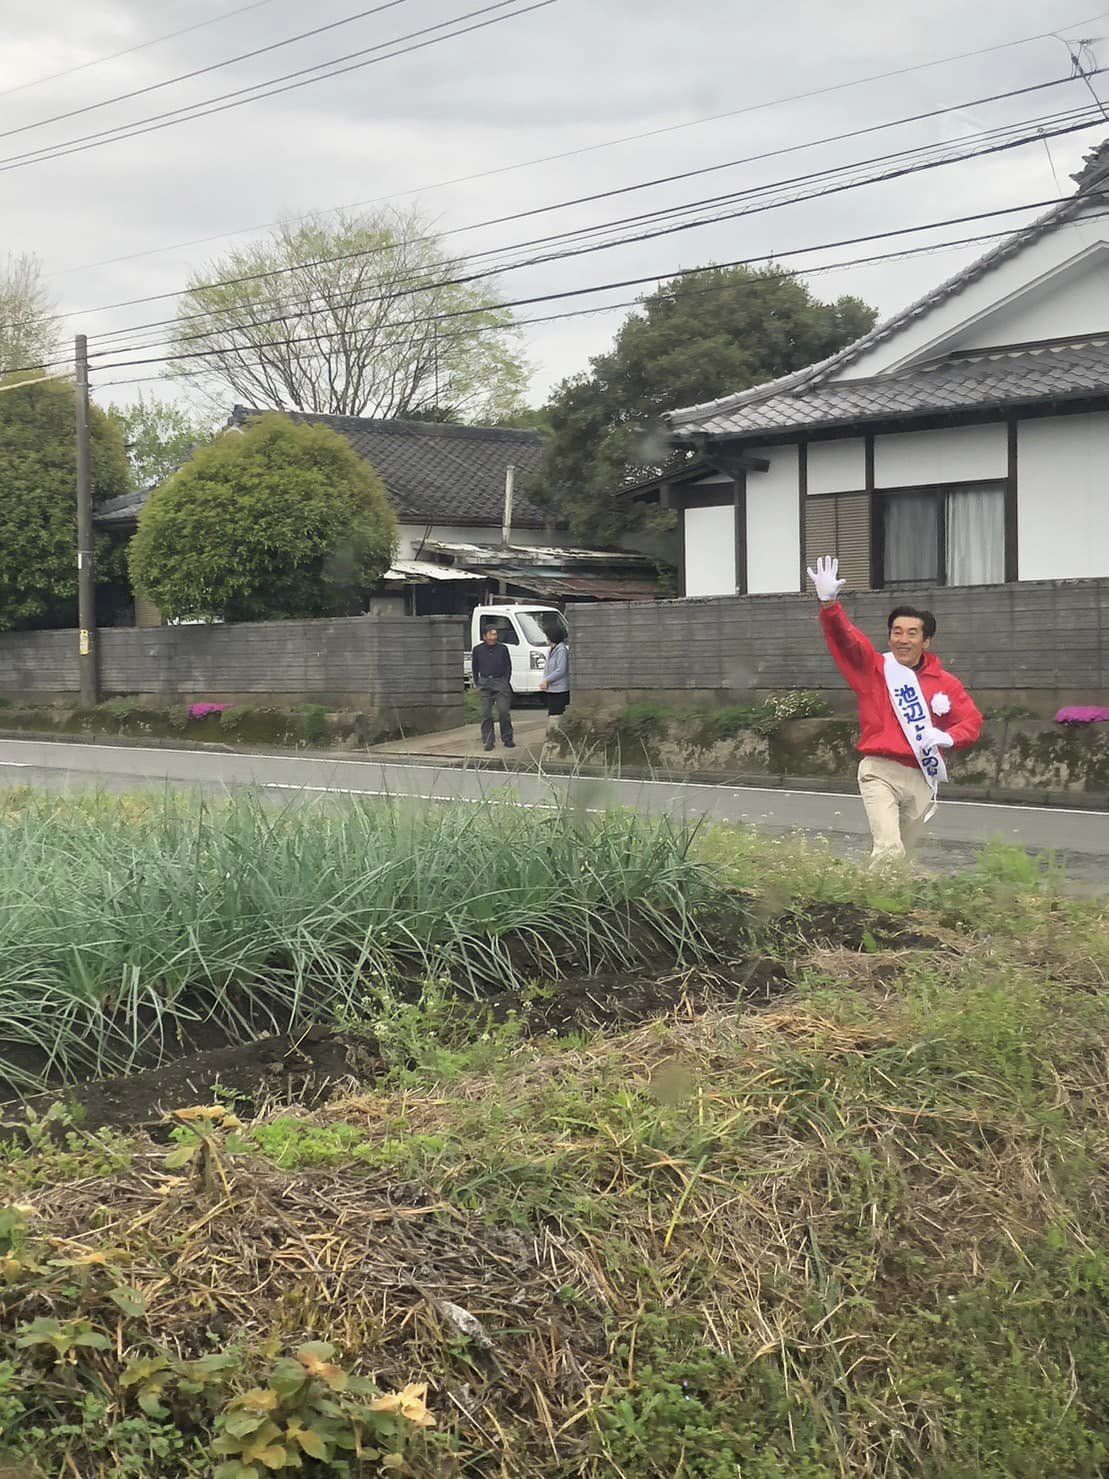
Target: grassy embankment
point(860, 1229)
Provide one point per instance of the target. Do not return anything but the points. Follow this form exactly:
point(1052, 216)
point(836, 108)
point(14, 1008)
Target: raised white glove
point(825, 578)
point(939, 738)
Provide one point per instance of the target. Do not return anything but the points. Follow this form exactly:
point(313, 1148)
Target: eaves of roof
point(990, 382)
point(685, 422)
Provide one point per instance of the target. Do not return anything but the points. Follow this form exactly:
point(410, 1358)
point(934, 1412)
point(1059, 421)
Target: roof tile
point(688, 420)
point(438, 473)
point(434, 473)
point(992, 381)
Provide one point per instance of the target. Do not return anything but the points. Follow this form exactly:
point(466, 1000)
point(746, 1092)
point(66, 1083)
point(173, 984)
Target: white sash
point(915, 718)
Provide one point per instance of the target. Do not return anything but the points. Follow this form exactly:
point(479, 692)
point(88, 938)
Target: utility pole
point(509, 487)
point(86, 575)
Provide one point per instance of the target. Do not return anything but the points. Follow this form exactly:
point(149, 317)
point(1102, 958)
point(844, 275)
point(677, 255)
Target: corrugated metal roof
point(406, 570)
point(122, 510)
point(486, 555)
point(612, 587)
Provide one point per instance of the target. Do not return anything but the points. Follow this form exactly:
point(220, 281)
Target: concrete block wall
point(370, 661)
point(1038, 644)
point(38, 662)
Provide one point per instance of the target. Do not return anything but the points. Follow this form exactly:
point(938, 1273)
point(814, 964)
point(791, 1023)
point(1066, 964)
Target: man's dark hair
point(926, 619)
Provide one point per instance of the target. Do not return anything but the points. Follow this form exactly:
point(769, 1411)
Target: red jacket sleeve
point(965, 727)
point(852, 651)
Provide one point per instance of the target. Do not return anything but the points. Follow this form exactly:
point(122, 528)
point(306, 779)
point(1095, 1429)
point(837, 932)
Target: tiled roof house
point(445, 482)
point(963, 441)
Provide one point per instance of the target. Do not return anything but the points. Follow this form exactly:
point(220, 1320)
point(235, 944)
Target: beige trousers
point(896, 798)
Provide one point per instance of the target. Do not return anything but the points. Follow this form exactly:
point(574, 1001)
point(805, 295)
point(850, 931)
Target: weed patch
point(132, 933)
point(843, 1214)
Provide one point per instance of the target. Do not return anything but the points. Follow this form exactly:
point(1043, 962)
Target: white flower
point(941, 704)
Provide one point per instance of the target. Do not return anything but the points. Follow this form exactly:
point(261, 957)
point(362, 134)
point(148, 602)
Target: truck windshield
point(541, 627)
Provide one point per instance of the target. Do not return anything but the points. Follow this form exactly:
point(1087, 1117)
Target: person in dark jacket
point(491, 666)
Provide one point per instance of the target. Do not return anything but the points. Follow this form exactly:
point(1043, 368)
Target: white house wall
point(710, 551)
point(773, 524)
point(1063, 498)
point(955, 454)
point(963, 320)
point(836, 467)
point(1075, 302)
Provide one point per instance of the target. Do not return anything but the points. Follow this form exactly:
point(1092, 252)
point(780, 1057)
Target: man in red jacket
point(910, 712)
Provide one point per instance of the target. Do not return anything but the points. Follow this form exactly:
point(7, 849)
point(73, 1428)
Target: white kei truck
point(526, 630)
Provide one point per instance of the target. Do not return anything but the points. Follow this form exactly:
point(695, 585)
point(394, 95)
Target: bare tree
point(29, 327)
point(356, 316)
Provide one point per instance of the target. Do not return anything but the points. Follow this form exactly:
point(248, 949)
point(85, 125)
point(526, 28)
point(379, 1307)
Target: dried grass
point(790, 1179)
point(358, 1261)
point(354, 1257)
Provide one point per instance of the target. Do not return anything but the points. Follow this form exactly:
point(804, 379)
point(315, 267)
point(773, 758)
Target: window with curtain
point(975, 536)
point(944, 536)
point(912, 547)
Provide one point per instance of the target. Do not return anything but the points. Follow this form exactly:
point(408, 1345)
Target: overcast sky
point(577, 75)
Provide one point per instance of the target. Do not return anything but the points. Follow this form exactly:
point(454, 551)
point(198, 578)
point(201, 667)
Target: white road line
point(418, 796)
point(362, 791)
point(336, 765)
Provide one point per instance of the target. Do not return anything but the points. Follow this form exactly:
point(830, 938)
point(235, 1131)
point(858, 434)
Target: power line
point(1069, 124)
point(834, 187)
point(591, 148)
point(896, 255)
point(396, 343)
point(450, 314)
point(567, 204)
point(131, 50)
point(244, 56)
point(753, 205)
point(606, 195)
point(38, 380)
point(1078, 51)
point(175, 116)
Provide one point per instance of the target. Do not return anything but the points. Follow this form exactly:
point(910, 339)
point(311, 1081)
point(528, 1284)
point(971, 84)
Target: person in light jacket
point(556, 677)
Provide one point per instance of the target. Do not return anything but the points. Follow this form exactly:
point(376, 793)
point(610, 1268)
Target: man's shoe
point(509, 744)
point(490, 747)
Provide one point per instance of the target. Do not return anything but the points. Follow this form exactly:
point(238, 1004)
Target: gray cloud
point(563, 78)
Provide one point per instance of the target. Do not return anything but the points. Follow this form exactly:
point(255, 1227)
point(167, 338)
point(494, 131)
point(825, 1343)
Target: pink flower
point(1083, 714)
point(201, 711)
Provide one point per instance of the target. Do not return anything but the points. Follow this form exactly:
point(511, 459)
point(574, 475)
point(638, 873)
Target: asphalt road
point(1079, 838)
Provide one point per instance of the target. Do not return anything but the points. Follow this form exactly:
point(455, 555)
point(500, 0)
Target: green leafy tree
point(29, 333)
point(354, 316)
point(160, 436)
point(38, 500)
point(279, 520)
point(698, 337)
point(527, 418)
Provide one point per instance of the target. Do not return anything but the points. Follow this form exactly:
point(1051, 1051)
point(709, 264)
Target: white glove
point(938, 738)
point(825, 578)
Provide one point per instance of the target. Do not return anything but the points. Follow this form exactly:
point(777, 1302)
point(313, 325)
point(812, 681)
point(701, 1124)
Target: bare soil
point(311, 1065)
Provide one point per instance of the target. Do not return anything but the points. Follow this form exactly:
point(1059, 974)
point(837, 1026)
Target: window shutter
point(839, 525)
point(820, 529)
